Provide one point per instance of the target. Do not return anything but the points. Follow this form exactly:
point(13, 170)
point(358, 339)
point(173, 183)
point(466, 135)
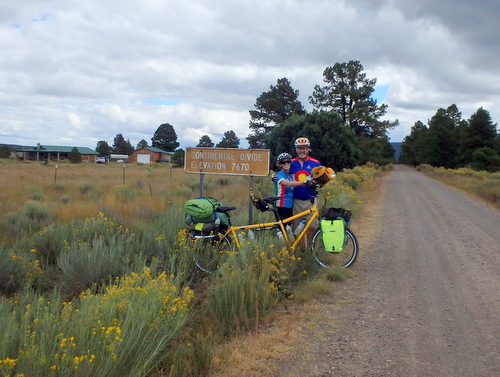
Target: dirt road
point(426, 299)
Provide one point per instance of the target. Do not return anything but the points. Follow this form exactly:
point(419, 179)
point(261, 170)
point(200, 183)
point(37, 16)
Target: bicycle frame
point(233, 230)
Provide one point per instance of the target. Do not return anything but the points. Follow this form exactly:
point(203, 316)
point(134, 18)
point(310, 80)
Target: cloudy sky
point(76, 72)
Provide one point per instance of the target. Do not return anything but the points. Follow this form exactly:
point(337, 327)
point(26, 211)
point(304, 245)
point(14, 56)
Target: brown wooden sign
point(227, 161)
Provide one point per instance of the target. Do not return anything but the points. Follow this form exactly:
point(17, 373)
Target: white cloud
point(79, 72)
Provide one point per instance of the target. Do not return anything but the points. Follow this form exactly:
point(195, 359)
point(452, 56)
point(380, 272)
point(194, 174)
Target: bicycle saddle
point(270, 199)
point(224, 209)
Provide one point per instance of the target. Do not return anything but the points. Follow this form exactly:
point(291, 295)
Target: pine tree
point(205, 141)
point(229, 140)
point(165, 138)
point(348, 92)
point(273, 108)
point(75, 156)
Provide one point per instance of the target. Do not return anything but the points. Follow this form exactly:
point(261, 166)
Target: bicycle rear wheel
point(344, 258)
point(210, 251)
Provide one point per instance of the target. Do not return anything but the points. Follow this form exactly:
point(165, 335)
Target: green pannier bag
point(333, 234)
point(204, 227)
point(202, 210)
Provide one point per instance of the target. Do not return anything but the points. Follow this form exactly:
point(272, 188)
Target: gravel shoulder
point(425, 299)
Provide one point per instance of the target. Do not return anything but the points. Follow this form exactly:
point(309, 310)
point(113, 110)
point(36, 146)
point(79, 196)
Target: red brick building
point(149, 155)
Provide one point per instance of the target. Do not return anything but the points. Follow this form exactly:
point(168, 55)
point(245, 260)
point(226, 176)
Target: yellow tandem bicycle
point(212, 248)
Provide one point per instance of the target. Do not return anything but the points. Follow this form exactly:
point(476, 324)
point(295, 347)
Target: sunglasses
point(285, 162)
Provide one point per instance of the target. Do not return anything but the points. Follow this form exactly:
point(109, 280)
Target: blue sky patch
point(380, 93)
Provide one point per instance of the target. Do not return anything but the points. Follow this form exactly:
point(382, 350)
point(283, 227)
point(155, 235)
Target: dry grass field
point(95, 269)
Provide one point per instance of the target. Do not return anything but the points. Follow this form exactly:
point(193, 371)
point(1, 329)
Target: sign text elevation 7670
point(227, 161)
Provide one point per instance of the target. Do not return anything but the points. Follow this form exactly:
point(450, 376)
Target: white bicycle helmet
point(284, 156)
point(302, 142)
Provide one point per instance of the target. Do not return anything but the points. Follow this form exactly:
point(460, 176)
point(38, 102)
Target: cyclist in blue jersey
point(285, 185)
point(301, 170)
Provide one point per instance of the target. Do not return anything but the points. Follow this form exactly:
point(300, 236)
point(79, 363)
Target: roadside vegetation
point(483, 184)
point(96, 277)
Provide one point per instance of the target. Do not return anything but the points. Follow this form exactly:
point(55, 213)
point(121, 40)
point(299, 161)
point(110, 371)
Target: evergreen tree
point(377, 150)
point(348, 92)
point(485, 158)
point(412, 149)
point(165, 138)
point(120, 146)
point(333, 143)
point(205, 141)
point(442, 142)
point(229, 140)
point(273, 108)
point(142, 144)
point(480, 132)
point(75, 156)
point(103, 148)
point(177, 159)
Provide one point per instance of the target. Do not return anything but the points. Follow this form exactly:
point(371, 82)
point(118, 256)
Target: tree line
point(452, 142)
point(345, 128)
point(164, 138)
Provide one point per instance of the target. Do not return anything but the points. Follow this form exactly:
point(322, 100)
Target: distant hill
point(397, 150)
point(14, 146)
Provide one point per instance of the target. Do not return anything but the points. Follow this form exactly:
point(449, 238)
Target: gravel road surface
point(426, 297)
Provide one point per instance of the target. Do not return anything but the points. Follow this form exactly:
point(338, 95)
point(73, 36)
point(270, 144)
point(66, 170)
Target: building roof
point(57, 149)
point(156, 150)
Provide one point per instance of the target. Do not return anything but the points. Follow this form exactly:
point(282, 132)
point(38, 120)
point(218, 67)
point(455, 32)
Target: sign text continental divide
point(227, 161)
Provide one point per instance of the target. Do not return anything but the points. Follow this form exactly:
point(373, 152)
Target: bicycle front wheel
point(344, 258)
point(210, 251)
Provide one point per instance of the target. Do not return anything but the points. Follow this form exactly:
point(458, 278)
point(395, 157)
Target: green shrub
point(58, 187)
point(239, 296)
point(49, 242)
point(349, 179)
point(36, 194)
point(313, 289)
point(84, 264)
point(124, 329)
point(126, 192)
point(11, 272)
point(86, 188)
point(30, 218)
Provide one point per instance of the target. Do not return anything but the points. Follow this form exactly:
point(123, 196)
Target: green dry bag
point(202, 210)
